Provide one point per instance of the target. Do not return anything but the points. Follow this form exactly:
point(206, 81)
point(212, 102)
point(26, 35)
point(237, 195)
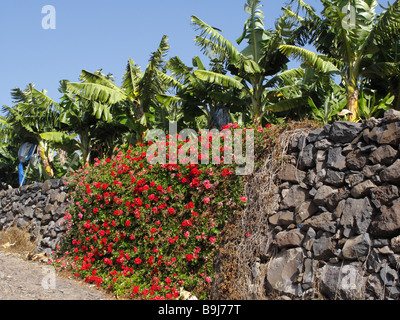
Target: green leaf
point(217, 78)
point(315, 61)
point(97, 92)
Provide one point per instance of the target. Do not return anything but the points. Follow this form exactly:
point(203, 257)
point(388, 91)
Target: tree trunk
point(352, 100)
point(85, 146)
point(45, 161)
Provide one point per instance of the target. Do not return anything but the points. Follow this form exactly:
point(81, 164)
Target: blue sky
point(93, 34)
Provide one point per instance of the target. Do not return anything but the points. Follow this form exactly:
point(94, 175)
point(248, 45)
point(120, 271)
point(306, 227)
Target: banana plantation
point(348, 58)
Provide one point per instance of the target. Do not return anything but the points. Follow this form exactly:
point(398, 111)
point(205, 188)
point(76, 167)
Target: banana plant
point(251, 67)
point(34, 116)
point(138, 90)
point(369, 107)
point(196, 98)
point(347, 35)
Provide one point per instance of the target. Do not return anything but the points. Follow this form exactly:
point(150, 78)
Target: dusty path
point(29, 280)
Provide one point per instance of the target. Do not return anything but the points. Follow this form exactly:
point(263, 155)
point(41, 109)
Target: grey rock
point(356, 160)
point(332, 202)
point(334, 178)
point(356, 216)
point(386, 134)
point(55, 183)
point(388, 275)
point(324, 221)
point(22, 222)
point(308, 275)
point(335, 159)
point(374, 261)
point(391, 116)
point(395, 244)
point(295, 196)
point(387, 224)
point(27, 212)
point(307, 157)
point(46, 219)
point(323, 248)
point(345, 131)
point(289, 239)
point(357, 247)
point(323, 144)
point(310, 177)
point(316, 135)
point(281, 271)
point(305, 210)
point(362, 189)
point(384, 155)
point(49, 209)
point(342, 282)
point(375, 288)
point(322, 194)
point(309, 239)
point(353, 179)
point(379, 243)
point(384, 195)
point(286, 218)
point(292, 174)
point(46, 186)
point(391, 173)
point(370, 171)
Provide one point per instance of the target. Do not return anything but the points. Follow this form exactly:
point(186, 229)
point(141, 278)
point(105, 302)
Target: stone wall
point(336, 229)
point(39, 208)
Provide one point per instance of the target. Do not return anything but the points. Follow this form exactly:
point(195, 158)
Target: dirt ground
point(30, 280)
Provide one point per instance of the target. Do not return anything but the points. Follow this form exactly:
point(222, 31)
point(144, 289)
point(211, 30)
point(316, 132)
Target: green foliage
point(369, 107)
point(144, 231)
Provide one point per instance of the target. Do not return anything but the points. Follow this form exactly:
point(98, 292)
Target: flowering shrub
point(144, 231)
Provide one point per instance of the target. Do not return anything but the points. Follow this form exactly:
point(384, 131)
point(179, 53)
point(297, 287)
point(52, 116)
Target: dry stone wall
point(39, 208)
point(336, 232)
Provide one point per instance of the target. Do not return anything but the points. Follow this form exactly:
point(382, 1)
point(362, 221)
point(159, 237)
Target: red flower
point(189, 257)
point(152, 230)
point(127, 223)
point(137, 261)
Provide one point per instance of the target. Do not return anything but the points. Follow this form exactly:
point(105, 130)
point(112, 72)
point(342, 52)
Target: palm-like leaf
point(213, 43)
point(97, 92)
point(131, 79)
point(149, 84)
point(219, 79)
point(315, 61)
point(286, 77)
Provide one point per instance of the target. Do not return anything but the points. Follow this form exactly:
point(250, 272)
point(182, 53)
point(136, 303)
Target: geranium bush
point(145, 231)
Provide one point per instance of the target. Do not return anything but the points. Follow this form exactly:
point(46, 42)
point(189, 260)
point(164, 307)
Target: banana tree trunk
point(257, 99)
point(45, 161)
point(85, 146)
point(352, 100)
